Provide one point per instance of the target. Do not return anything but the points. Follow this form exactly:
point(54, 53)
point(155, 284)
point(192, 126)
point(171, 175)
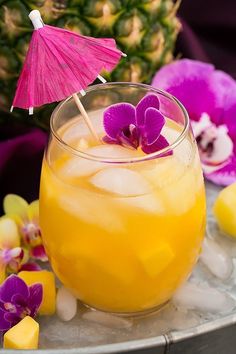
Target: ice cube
point(184, 150)
point(216, 259)
point(160, 172)
point(184, 190)
point(82, 144)
point(78, 128)
point(112, 151)
point(145, 203)
point(170, 133)
point(66, 304)
point(107, 320)
point(121, 181)
point(203, 298)
point(79, 167)
point(180, 319)
point(185, 321)
point(91, 208)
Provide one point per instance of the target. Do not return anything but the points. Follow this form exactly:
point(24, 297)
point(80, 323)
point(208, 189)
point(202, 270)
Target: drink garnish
point(135, 127)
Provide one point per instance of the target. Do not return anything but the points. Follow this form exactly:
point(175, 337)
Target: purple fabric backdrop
point(209, 29)
point(21, 152)
point(209, 32)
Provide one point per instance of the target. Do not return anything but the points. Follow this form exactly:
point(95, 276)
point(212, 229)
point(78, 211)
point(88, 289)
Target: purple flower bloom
point(137, 126)
point(17, 300)
point(209, 96)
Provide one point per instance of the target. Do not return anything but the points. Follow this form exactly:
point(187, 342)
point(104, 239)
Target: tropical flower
point(17, 300)
point(26, 216)
point(209, 96)
point(11, 254)
point(137, 126)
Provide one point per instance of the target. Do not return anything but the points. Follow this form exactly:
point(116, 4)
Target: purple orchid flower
point(209, 96)
point(17, 300)
point(137, 126)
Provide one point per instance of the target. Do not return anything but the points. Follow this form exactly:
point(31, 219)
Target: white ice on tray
point(179, 319)
point(121, 181)
point(66, 304)
point(216, 259)
point(78, 167)
point(203, 298)
point(107, 320)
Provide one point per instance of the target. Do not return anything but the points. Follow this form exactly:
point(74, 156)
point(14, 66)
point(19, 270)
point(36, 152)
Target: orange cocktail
point(122, 230)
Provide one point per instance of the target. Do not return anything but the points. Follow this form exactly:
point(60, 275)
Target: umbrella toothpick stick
point(85, 116)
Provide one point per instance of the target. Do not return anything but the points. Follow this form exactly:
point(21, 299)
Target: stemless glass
point(122, 229)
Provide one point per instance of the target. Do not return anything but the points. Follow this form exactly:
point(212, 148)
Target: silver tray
point(167, 331)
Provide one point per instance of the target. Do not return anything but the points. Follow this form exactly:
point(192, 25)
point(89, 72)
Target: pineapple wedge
point(155, 260)
point(24, 335)
point(224, 210)
point(47, 279)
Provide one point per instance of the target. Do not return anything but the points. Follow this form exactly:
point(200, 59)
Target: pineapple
point(144, 29)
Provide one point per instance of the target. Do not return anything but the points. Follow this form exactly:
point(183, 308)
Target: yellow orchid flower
point(27, 218)
point(11, 254)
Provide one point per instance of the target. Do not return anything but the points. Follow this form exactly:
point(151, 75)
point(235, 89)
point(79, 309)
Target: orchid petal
point(106, 139)
point(31, 266)
point(16, 252)
point(18, 299)
point(4, 324)
point(224, 175)
point(118, 116)
point(9, 235)
point(12, 318)
point(225, 85)
point(158, 145)
point(35, 298)
point(13, 285)
point(201, 125)
point(229, 118)
point(25, 255)
point(13, 259)
point(129, 137)
point(145, 103)
point(154, 122)
point(15, 205)
point(190, 81)
point(223, 149)
point(33, 210)
point(39, 253)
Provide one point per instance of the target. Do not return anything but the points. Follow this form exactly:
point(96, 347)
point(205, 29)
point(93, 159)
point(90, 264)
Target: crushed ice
point(107, 320)
point(216, 259)
point(66, 304)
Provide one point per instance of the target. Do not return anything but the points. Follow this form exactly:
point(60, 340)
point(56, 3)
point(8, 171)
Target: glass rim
point(146, 157)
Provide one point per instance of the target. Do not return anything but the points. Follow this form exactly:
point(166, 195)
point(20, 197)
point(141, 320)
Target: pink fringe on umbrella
point(60, 63)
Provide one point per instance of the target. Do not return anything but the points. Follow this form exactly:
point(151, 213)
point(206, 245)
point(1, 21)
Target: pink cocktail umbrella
point(59, 63)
